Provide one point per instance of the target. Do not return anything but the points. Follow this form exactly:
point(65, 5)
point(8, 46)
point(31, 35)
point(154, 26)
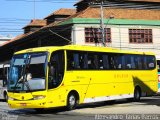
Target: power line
point(13, 19)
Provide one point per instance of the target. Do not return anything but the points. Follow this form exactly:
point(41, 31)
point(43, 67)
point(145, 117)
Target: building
point(129, 24)
point(34, 25)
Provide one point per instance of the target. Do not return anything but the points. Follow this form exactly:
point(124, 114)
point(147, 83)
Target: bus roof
point(81, 48)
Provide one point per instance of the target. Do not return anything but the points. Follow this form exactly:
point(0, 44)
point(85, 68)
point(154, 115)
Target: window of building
point(94, 35)
point(140, 36)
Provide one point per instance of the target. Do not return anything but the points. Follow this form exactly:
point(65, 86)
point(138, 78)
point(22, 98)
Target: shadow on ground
point(155, 100)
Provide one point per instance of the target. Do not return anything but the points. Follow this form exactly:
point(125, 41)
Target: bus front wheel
point(137, 94)
point(72, 101)
point(5, 96)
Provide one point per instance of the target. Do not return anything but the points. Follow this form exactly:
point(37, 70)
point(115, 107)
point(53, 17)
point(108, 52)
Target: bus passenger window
point(151, 62)
point(70, 60)
point(114, 61)
point(93, 61)
point(133, 62)
point(145, 63)
point(76, 60)
point(100, 62)
point(128, 64)
point(105, 62)
point(140, 62)
point(85, 61)
point(96, 61)
point(120, 61)
point(111, 61)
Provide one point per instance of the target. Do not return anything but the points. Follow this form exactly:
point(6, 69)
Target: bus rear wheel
point(72, 101)
point(137, 94)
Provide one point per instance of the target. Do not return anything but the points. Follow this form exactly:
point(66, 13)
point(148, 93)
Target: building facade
point(131, 24)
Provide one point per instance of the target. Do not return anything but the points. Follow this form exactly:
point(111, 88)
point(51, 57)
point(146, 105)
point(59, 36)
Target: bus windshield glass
point(28, 72)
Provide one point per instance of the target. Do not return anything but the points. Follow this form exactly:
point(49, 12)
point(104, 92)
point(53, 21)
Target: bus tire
point(5, 96)
point(72, 101)
point(137, 94)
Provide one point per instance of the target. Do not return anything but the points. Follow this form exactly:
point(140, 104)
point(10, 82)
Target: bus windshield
point(28, 72)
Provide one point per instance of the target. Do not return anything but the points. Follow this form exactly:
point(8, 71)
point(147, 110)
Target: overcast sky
point(15, 14)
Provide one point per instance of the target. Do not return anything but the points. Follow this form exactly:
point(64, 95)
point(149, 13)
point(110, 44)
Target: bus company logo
point(22, 97)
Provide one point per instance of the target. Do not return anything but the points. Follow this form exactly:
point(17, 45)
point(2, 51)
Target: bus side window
point(83, 60)
point(133, 62)
point(151, 62)
point(80, 60)
point(90, 61)
point(140, 62)
point(111, 61)
point(100, 62)
point(76, 63)
point(76, 60)
point(128, 64)
point(136, 62)
point(105, 61)
point(70, 60)
point(120, 62)
point(145, 63)
point(115, 61)
point(93, 61)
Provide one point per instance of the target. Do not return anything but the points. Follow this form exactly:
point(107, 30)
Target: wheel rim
point(72, 100)
point(138, 94)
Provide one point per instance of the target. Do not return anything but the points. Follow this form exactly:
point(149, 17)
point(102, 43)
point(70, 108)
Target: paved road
point(148, 108)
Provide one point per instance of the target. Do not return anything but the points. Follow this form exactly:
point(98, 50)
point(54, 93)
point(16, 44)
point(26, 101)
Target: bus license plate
point(23, 104)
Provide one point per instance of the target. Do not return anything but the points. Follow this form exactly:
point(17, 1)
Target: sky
point(15, 14)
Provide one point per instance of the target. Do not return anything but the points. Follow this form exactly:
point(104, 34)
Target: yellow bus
point(69, 75)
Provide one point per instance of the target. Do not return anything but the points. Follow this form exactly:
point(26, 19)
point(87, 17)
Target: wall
point(120, 37)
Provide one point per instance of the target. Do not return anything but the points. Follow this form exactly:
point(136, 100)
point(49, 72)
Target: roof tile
point(63, 11)
point(36, 22)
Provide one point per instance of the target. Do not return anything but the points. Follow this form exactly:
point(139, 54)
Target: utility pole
point(102, 24)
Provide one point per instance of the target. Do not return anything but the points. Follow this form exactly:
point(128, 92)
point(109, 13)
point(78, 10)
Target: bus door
point(55, 77)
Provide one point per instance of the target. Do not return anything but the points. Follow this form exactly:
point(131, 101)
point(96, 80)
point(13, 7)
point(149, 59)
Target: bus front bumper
point(27, 104)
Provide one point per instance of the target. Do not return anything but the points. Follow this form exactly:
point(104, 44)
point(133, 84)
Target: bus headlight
point(37, 97)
